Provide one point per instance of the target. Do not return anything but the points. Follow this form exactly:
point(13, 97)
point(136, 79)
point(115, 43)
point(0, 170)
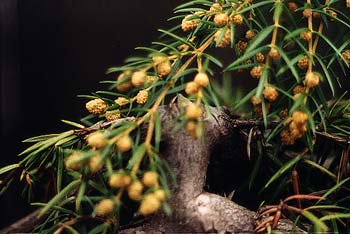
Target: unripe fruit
point(311, 79)
point(191, 88)
point(159, 59)
point(70, 161)
point(150, 179)
point(201, 79)
point(164, 68)
point(221, 19)
point(149, 205)
point(96, 140)
point(96, 106)
point(193, 112)
point(141, 97)
point(95, 163)
point(135, 190)
point(160, 195)
point(124, 84)
point(124, 143)
point(138, 78)
point(104, 207)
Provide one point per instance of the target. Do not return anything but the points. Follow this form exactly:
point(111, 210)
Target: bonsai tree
point(253, 85)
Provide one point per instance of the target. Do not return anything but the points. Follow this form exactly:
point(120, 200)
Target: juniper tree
point(132, 155)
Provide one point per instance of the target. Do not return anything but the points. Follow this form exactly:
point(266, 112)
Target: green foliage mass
point(281, 63)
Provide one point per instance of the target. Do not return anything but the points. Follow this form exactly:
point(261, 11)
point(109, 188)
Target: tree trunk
point(194, 210)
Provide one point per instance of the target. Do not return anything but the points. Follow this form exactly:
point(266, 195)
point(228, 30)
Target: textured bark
point(194, 210)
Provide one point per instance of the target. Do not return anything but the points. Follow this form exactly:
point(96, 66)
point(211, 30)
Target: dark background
point(51, 51)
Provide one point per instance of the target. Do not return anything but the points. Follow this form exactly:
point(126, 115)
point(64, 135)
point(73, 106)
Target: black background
point(51, 51)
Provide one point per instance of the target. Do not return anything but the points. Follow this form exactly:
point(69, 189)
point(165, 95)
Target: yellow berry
point(346, 55)
point(96, 140)
point(307, 13)
point(255, 101)
point(299, 118)
point(95, 163)
point(241, 45)
point(112, 115)
point(96, 106)
point(149, 205)
point(150, 179)
point(159, 59)
point(160, 195)
point(191, 88)
point(124, 143)
point(221, 19)
point(104, 207)
point(119, 180)
point(164, 68)
point(216, 7)
point(306, 36)
point(121, 101)
point(201, 79)
point(135, 190)
point(260, 57)
point(225, 40)
point(193, 111)
point(237, 19)
point(123, 82)
point(274, 54)
point(312, 79)
point(191, 128)
point(298, 89)
point(257, 71)
point(286, 138)
point(270, 94)
point(303, 62)
point(141, 97)
point(292, 6)
point(250, 34)
point(138, 78)
point(189, 23)
point(71, 161)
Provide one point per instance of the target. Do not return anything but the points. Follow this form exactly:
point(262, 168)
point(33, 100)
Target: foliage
point(297, 55)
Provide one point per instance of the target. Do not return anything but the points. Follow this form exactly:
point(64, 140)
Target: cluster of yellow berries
point(96, 141)
point(75, 162)
point(346, 55)
point(150, 202)
point(200, 80)
point(190, 23)
point(162, 64)
point(257, 71)
point(96, 106)
point(312, 79)
point(223, 41)
point(296, 127)
point(303, 62)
